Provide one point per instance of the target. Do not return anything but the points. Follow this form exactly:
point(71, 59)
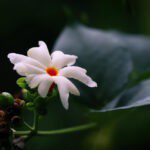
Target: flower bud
point(3, 126)
point(19, 102)
point(30, 105)
point(2, 114)
point(6, 100)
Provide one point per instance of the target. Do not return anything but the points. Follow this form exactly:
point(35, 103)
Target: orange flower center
point(52, 71)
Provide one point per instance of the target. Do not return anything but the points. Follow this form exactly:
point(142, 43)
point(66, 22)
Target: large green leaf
point(110, 57)
point(105, 58)
point(139, 48)
point(131, 104)
point(134, 97)
point(130, 100)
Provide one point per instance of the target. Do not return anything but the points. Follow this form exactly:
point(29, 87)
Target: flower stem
point(34, 129)
point(60, 131)
point(27, 125)
point(22, 133)
point(36, 121)
point(67, 130)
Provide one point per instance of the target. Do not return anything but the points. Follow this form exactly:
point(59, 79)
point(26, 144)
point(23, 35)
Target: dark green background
point(23, 23)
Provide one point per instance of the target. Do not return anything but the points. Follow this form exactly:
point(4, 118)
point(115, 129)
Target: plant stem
point(60, 131)
point(36, 121)
point(22, 133)
point(67, 130)
point(27, 125)
point(34, 129)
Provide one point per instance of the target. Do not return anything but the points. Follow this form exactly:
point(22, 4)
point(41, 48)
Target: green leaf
point(21, 82)
point(120, 107)
point(139, 48)
point(6, 100)
point(114, 60)
point(133, 97)
point(105, 58)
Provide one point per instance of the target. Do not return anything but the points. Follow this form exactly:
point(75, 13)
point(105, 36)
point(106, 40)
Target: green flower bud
point(28, 95)
point(21, 82)
point(30, 105)
point(6, 99)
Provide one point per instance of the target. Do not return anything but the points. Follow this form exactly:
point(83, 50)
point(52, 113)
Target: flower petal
point(17, 58)
point(44, 86)
point(60, 60)
point(78, 74)
point(65, 86)
point(34, 80)
point(72, 68)
point(40, 53)
point(24, 69)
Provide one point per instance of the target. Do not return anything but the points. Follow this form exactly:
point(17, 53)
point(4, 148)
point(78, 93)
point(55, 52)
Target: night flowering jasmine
point(43, 70)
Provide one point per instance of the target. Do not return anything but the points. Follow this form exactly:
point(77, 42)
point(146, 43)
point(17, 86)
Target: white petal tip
point(78, 94)
point(43, 96)
point(11, 57)
point(74, 57)
point(66, 107)
point(41, 43)
point(31, 87)
point(92, 84)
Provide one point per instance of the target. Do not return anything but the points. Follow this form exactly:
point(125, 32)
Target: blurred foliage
point(25, 22)
point(118, 62)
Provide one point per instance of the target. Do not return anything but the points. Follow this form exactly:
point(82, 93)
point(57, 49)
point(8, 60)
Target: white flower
point(42, 70)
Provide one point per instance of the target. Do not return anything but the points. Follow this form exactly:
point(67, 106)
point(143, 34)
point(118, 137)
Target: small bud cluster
point(9, 117)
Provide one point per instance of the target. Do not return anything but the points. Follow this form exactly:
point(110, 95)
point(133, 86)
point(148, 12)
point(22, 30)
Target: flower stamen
point(52, 71)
